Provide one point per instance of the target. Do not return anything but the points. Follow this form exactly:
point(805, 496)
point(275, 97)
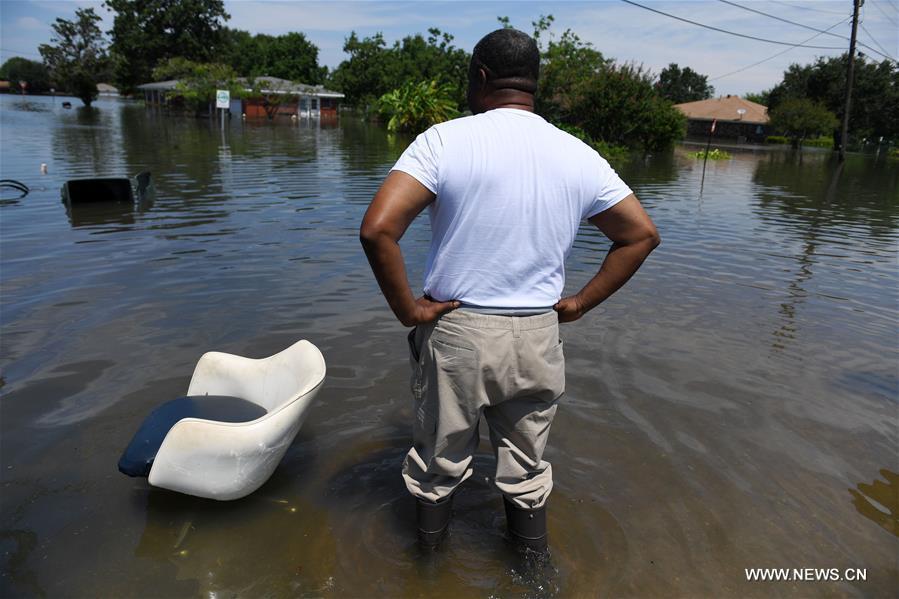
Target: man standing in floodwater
point(506, 192)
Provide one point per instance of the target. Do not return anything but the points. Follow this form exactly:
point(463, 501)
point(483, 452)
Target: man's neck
point(510, 98)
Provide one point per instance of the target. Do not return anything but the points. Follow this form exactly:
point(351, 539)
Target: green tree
point(762, 97)
point(146, 33)
point(875, 93)
point(607, 105)
point(683, 85)
point(364, 75)
point(375, 69)
point(621, 106)
point(801, 118)
point(290, 56)
point(567, 67)
point(416, 106)
point(76, 57)
point(34, 73)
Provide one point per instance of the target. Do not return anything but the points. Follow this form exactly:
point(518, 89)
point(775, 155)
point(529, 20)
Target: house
point(736, 118)
point(264, 97)
point(304, 100)
point(104, 89)
point(155, 93)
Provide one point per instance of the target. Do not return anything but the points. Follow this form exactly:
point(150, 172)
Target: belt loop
point(516, 327)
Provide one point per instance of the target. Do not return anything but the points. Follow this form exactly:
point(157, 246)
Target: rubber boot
point(527, 528)
point(433, 521)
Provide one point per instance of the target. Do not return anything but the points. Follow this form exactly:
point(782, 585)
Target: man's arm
point(633, 237)
point(400, 199)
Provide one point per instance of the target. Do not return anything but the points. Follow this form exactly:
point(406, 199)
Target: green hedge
point(818, 142)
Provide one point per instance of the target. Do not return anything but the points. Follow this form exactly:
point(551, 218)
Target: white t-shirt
point(511, 192)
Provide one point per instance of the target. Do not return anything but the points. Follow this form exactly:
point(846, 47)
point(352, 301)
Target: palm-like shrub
point(416, 106)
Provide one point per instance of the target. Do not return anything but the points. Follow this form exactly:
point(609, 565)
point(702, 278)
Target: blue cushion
point(140, 453)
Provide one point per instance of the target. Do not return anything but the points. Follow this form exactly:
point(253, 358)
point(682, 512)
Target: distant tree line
point(810, 99)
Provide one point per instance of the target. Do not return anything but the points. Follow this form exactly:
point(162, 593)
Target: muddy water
point(734, 407)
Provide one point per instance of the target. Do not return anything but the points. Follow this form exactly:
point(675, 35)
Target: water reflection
point(91, 142)
point(860, 192)
point(106, 213)
point(816, 202)
point(879, 501)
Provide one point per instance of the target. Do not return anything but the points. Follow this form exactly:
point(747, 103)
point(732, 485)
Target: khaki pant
point(508, 368)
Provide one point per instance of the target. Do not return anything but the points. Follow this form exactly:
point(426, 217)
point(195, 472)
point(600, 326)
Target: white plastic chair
point(229, 460)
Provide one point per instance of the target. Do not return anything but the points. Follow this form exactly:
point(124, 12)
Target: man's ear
point(482, 77)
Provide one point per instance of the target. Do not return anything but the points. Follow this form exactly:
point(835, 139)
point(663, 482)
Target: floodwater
point(735, 406)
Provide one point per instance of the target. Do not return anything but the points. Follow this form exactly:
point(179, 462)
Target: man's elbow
point(367, 234)
point(646, 236)
point(654, 239)
point(372, 233)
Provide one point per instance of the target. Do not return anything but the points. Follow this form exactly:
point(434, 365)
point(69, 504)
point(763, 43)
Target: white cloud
point(30, 24)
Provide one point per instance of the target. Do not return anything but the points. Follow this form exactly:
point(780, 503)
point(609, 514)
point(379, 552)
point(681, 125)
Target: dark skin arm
point(633, 237)
point(400, 199)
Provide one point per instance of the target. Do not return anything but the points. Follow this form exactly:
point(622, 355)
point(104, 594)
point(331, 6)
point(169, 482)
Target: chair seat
point(140, 453)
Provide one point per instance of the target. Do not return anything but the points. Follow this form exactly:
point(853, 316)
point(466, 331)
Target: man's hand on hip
point(569, 309)
point(427, 310)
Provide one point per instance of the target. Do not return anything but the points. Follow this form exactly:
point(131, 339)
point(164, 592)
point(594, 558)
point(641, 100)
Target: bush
point(800, 118)
point(714, 154)
point(820, 142)
point(621, 106)
point(777, 139)
point(416, 106)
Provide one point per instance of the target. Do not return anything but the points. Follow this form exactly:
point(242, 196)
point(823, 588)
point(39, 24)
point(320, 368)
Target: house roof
point(159, 85)
point(276, 85)
point(105, 87)
point(266, 84)
point(725, 109)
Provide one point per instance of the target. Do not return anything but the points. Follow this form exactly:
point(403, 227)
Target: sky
point(619, 30)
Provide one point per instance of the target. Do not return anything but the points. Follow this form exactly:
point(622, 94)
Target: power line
point(751, 37)
point(764, 14)
point(877, 6)
point(873, 39)
point(755, 64)
point(829, 12)
point(875, 42)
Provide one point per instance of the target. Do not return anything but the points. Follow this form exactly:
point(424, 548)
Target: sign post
point(222, 102)
point(708, 145)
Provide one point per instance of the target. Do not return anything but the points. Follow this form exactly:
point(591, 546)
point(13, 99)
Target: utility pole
point(844, 130)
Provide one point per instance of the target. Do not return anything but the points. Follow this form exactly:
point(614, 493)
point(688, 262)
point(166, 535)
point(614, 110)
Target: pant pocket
point(415, 363)
point(555, 365)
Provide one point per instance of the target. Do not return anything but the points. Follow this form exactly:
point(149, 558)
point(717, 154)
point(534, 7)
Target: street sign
point(222, 98)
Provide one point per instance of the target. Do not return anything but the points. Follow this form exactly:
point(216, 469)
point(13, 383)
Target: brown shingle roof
point(725, 109)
